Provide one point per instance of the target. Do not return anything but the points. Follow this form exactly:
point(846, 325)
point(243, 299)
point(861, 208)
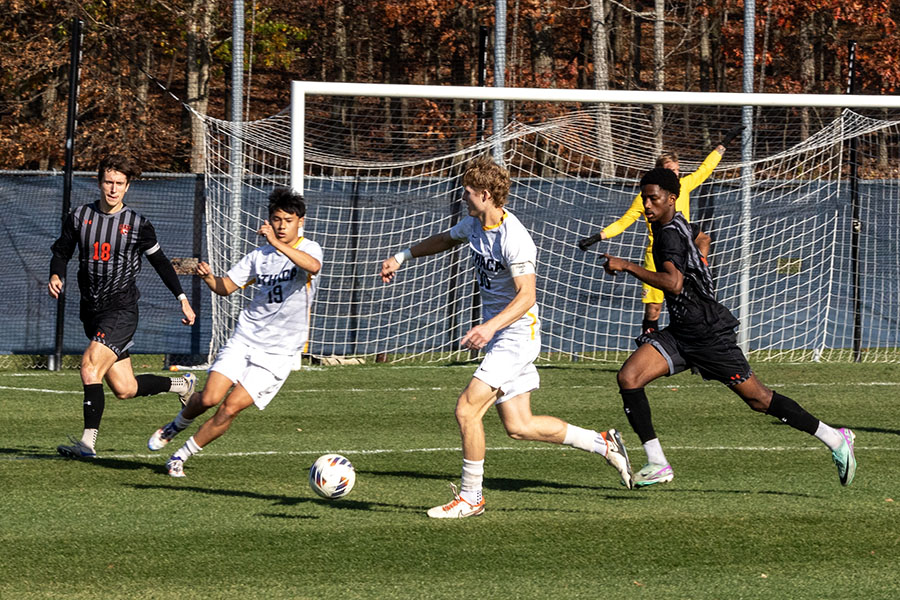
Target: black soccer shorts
point(113, 328)
point(716, 357)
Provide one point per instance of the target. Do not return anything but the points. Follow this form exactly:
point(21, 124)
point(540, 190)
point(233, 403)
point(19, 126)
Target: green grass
point(755, 510)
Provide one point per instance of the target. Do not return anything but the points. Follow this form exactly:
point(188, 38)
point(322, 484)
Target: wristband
point(403, 256)
point(181, 297)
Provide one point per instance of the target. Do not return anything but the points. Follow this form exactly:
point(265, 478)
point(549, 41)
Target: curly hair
point(484, 174)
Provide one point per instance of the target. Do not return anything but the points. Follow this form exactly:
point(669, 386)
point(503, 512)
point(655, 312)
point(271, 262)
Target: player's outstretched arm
point(432, 245)
point(668, 278)
point(219, 285)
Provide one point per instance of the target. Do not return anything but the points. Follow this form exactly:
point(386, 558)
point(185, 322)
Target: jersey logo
point(124, 228)
point(88, 221)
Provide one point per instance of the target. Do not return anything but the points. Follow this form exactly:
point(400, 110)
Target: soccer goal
point(805, 232)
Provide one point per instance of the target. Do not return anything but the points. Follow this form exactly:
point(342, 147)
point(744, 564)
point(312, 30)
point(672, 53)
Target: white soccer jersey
point(494, 250)
point(277, 318)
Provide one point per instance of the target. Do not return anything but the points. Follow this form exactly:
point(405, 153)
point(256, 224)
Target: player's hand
point(478, 337)
point(189, 315)
point(585, 243)
point(389, 269)
point(203, 270)
point(266, 231)
point(55, 286)
point(613, 264)
point(731, 134)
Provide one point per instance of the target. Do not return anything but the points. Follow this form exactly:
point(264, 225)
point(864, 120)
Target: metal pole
point(236, 164)
point(499, 74)
point(856, 222)
point(746, 178)
point(55, 360)
point(483, 33)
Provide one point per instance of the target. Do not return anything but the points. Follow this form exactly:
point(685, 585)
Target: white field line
point(519, 448)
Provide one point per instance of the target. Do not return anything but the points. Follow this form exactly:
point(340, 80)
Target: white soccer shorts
point(260, 373)
point(509, 365)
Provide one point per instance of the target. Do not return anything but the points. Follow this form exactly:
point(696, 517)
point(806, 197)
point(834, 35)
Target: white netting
point(382, 173)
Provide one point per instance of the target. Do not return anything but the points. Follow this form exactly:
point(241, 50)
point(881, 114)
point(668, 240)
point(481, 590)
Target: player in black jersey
point(701, 334)
point(110, 238)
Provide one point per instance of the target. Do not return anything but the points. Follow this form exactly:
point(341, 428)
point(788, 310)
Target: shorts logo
point(124, 229)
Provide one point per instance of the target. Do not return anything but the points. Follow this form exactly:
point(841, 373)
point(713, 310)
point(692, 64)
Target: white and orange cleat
point(456, 508)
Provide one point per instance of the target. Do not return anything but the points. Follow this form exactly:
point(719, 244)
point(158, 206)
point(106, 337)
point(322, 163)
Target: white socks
point(829, 436)
point(189, 449)
point(89, 438)
point(585, 439)
point(472, 481)
point(655, 453)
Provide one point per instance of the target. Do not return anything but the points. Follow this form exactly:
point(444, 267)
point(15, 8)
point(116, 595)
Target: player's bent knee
point(517, 431)
point(627, 380)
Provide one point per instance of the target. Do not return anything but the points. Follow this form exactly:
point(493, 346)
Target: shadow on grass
point(855, 428)
point(283, 500)
point(504, 483)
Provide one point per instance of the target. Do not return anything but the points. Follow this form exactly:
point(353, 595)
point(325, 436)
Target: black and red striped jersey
point(109, 254)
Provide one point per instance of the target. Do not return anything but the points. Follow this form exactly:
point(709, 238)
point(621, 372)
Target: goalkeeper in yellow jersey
point(652, 297)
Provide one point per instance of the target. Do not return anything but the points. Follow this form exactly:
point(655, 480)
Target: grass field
point(755, 510)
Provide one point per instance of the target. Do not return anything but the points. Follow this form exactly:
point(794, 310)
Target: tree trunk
point(659, 66)
point(49, 112)
point(807, 73)
point(600, 38)
point(543, 49)
point(199, 30)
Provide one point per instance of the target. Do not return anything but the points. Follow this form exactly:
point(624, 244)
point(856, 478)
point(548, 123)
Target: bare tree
point(600, 39)
point(199, 31)
point(659, 68)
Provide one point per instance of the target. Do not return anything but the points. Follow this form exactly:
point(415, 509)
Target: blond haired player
point(504, 258)
point(253, 365)
point(651, 296)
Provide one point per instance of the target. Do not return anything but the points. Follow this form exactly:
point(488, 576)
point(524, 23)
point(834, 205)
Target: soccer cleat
point(78, 449)
point(175, 466)
point(457, 508)
point(617, 456)
point(844, 457)
point(161, 437)
point(653, 473)
point(191, 380)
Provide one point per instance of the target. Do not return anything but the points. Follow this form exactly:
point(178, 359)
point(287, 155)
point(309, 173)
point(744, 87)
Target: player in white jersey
point(504, 258)
point(257, 359)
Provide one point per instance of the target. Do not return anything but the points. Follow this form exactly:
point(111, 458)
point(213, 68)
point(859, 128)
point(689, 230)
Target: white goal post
point(379, 166)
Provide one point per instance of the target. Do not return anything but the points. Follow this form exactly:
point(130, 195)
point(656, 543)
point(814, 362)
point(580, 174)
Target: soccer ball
point(332, 476)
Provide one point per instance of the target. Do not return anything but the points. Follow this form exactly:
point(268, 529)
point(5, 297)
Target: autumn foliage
point(801, 46)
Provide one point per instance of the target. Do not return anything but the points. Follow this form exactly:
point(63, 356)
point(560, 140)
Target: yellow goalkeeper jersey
point(682, 204)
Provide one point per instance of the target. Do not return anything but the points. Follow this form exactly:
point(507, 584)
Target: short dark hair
point(665, 178)
point(284, 198)
point(120, 163)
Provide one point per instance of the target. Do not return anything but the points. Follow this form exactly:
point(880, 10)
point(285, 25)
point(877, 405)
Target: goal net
point(805, 235)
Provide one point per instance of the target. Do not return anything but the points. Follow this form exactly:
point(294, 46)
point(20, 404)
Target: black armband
point(166, 271)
